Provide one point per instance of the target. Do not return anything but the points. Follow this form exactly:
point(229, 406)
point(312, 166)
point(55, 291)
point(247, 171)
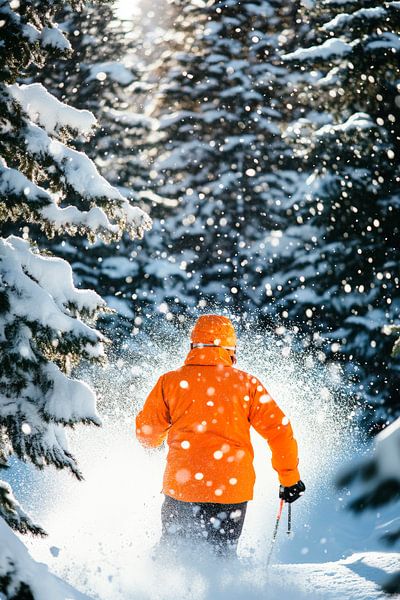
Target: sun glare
point(126, 9)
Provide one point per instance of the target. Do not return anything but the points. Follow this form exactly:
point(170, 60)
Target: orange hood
point(215, 330)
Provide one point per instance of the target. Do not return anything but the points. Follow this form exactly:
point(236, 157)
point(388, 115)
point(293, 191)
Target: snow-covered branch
point(41, 331)
point(332, 48)
point(44, 109)
point(14, 514)
point(43, 291)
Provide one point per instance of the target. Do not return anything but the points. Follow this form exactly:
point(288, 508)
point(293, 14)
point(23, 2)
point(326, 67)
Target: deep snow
point(44, 585)
point(102, 532)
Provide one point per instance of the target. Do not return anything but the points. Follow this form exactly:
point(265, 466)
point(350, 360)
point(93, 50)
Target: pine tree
point(337, 271)
point(99, 76)
point(96, 77)
point(218, 154)
point(46, 324)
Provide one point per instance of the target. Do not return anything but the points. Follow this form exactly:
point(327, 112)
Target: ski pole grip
point(281, 505)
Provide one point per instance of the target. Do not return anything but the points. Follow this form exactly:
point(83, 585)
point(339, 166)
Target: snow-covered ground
point(102, 532)
point(15, 558)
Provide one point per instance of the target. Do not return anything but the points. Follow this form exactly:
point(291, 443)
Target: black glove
point(292, 492)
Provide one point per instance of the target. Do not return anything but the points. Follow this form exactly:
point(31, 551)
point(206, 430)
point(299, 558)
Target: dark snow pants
point(218, 525)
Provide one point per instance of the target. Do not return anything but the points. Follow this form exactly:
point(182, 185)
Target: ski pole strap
point(289, 519)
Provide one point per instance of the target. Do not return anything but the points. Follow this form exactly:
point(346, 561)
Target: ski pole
point(278, 518)
point(289, 519)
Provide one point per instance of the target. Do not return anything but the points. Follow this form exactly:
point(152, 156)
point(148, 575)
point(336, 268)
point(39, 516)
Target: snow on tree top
point(94, 220)
point(46, 116)
point(208, 117)
point(329, 49)
point(373, 320)
point(80, 172)
point(156, 199)
point(54, 38)
point(35, 278)
point(344, 19)
point(82, 176)
point(48, 37)
point(55, 275)
point(385, 40)
point(131, 119)
point(116, 71)
point(69, 400)
point(15, 183)
point(264, 10)
point(30, 32)
point(356, 121)
point(338, 2)
point(46, 110)
point(45, 205)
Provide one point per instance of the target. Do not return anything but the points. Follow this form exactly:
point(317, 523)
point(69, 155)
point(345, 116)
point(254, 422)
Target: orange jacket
point(205, 410)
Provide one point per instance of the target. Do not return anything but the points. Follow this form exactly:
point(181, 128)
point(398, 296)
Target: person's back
point(206, 409)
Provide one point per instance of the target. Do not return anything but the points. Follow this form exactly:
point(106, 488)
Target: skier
point(205, 410)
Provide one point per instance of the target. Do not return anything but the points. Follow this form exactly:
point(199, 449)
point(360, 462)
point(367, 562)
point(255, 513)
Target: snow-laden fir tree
point(337, 270)
point(46, 324)
point(218, 154)
point(99, 76)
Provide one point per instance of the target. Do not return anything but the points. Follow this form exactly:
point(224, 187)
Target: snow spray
point(102, 531)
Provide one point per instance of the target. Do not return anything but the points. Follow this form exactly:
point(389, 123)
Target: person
point(205, 409)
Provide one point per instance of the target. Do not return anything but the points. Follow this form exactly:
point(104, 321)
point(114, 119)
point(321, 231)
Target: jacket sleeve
point(153, 421)
point(269, 421)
